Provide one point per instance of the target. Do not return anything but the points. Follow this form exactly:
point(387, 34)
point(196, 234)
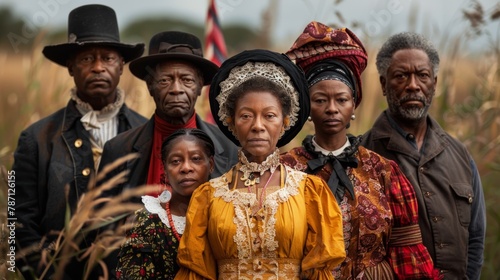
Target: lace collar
point(271, 163)
point(106, 113)
point(154, 205)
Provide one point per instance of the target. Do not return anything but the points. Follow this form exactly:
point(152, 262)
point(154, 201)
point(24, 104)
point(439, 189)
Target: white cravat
point(103, 124)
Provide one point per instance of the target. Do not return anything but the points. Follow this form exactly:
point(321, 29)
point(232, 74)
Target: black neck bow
point(338, 177)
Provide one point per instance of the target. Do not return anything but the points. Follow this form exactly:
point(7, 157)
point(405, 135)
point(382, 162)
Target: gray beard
point(410, 114)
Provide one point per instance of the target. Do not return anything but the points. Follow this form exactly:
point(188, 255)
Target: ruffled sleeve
point(324, 242)
point(408, 256)
point(195, 255)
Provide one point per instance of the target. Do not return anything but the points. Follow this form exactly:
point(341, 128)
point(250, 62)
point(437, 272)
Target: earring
point(353, 117)
point(309, 119)
point(165, 196)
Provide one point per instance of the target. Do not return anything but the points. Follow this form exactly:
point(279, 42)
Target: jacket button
point(78, 143)
point(427, 194)
point(86, 171)
point(422, 169)
point(435, 219)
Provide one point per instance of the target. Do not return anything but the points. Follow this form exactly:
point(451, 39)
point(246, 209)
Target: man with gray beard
point(445, 177)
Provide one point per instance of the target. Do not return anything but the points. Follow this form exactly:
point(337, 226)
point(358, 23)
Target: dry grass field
point(466, 105)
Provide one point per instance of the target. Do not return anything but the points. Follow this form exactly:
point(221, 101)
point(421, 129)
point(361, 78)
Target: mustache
point(97, 78)
point(413, 97)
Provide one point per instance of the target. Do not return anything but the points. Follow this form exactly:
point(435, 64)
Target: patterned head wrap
point(277, 68)
point(322, 44)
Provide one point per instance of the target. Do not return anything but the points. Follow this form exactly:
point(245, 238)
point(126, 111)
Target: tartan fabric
point(384, 202)
point(409, 261)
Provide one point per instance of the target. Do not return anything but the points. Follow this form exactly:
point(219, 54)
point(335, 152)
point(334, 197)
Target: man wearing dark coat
point(175, 72)
point(451, 206)
point(56, 156)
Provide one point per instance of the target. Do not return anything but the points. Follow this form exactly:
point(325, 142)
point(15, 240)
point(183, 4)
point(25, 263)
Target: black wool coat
point(53, 153)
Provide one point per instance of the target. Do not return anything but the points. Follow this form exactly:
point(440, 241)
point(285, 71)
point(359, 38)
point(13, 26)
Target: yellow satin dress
point(296, 233)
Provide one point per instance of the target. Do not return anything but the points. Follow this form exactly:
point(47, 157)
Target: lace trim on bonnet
point(270, 71)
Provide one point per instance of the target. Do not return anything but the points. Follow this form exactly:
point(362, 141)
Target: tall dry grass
point(93, 216)
point(469, 108)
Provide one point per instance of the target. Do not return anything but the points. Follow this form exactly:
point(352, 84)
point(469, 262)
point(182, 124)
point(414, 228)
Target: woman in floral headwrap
point(379, 209)
point(261, 220)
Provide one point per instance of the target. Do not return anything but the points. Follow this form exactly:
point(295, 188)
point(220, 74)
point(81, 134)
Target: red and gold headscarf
point(319, 43)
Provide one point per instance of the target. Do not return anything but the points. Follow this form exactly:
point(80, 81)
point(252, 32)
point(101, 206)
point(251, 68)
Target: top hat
point(174, 45)
point(92, 25)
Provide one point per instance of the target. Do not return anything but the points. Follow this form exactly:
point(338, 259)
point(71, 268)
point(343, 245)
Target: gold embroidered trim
point(255, 234)
point(259, 268)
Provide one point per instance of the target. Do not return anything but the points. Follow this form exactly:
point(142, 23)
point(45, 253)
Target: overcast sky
point(379, 18)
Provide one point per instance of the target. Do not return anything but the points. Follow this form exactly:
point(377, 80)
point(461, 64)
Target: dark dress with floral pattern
point(150, 251)
point(379, 212)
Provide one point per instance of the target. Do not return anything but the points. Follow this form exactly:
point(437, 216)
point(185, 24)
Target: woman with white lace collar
point(261, 220)
point(150, 250)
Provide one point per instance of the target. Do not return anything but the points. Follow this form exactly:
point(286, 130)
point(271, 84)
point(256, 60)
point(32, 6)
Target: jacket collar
point(434, 142)
point(71, 115)
point(219, 148)
point(144, 141)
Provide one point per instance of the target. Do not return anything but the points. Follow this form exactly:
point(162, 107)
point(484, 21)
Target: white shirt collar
point(326, 152)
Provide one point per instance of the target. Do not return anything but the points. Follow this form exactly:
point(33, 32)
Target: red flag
point(215, 49)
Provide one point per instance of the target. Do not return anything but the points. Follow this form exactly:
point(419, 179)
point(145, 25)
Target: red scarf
point(162, 130)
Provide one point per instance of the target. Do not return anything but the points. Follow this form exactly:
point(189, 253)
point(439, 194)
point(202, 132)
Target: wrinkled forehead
point(410, 58)
point(168, 66)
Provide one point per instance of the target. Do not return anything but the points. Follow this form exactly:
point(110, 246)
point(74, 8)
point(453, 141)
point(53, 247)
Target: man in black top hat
point(175, 72)
point(64, 148)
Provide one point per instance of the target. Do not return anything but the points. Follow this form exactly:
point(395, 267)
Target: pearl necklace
point(171, 222)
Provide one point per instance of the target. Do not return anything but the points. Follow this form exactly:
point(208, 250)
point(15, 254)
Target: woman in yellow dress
point(261, 220)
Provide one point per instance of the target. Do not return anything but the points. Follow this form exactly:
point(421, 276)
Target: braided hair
point(193, 134)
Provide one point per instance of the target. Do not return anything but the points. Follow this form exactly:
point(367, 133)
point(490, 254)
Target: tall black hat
point(92, 25)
